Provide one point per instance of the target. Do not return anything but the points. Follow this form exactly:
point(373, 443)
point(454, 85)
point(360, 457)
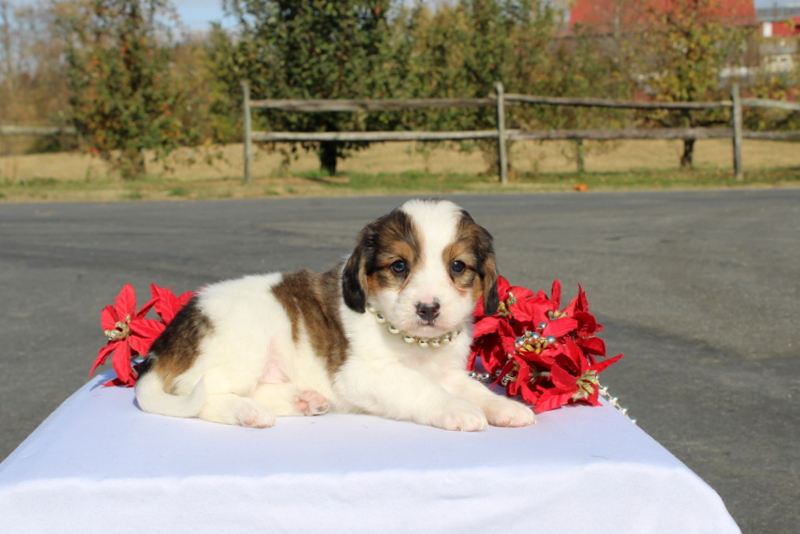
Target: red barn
point(608, 16)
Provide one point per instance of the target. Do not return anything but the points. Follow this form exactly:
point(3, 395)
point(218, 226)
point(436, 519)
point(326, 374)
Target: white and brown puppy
point(386, 333)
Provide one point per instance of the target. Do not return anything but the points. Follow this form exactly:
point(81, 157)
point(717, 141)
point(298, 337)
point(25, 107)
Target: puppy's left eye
point(399, 267)
point(458, 267)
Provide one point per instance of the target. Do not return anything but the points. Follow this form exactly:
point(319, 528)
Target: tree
point(32, 70)
point(460, 50)
point(687, 44)
point(124, 96)
point(312, 49)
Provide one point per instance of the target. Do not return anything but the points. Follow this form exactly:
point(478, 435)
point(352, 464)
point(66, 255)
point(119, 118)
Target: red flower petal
point(166, 303)
point(114, 382)
point(502, 287)
point(592, 345)
point(587, 325)
point(122, 364)
point(487, 325)
point(555, 293)
point(520, 293)
point(592, 399)
point(525, 310)
point(530, 395)
point(125, 303)
point(599, 367)
point(563, 379)
point(102, 354)
point(109, 318)
point(552, 399)
point(560, 327)
point(573, 355)
point(146, 331)
point(577, 304)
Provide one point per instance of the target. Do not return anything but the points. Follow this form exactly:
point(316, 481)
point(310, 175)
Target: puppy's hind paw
point(310, 402)
point(255, 415)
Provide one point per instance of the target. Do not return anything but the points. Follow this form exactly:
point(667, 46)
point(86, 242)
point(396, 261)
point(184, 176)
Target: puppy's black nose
point(427, 312)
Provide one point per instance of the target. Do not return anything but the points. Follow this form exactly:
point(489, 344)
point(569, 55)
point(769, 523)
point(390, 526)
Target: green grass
point(409, 181)
point(668, 179)
point(318, 184)
point(418, 181)
point(178, 192)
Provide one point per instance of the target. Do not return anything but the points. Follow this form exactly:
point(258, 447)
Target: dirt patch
point(397, 168)
point(526, 157)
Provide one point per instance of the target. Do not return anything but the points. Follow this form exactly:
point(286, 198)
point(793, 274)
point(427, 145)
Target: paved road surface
point(698, 289)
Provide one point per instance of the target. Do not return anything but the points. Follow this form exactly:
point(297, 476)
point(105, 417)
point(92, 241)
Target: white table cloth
point(99, 464)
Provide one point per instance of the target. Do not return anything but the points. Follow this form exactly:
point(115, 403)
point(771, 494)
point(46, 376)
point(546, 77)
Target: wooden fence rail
point(37, 130)
point(502, 135)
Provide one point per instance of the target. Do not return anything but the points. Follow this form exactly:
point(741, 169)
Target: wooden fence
point(501, 134)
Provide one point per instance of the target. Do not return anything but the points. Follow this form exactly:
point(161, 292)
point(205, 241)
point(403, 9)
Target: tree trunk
point(328, 157)
point(132, 164)
point(688, 154)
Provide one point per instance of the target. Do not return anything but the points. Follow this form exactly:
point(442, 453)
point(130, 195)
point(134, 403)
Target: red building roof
point(610, 15)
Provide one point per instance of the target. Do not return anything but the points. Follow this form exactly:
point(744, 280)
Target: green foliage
point(685, 47)
point(460, 50)
point(315, 49)
point(780, 86)
point(124, 95)
point(325, 49)
point(221, 81)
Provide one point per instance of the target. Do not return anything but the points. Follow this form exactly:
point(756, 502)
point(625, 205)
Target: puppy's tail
point(152, 398)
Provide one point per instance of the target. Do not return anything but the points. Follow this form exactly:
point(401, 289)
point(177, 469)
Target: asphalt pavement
point(699, 290)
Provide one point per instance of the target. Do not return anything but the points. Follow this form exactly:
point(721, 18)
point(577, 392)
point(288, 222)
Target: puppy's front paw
point(460, 414)
point(506, 412)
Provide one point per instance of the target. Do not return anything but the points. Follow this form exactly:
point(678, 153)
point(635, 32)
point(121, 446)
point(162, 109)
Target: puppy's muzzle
point(428, 312)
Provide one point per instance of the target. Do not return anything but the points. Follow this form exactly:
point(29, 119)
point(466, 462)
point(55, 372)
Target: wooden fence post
point(502, 155)
point(248, 138)
point(579, 156)
point(736, 116)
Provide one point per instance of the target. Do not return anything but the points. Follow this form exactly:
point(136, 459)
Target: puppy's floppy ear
point(354, 276)
point(491, 300)
point(486, 266)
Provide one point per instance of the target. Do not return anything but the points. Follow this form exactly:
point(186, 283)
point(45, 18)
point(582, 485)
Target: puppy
point(387, 332)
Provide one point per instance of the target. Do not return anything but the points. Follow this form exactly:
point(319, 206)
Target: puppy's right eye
point(398, 267)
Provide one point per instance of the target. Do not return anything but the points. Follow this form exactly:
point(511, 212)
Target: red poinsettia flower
point(130, 334)
point(118, 322)
point(538, 351)
point(573, 379)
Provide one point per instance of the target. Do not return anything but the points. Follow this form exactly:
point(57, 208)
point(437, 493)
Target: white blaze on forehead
point(436, 222)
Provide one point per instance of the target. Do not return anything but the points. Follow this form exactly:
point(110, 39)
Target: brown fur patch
point(178, 346)
point(311, 301)
point(473, 246)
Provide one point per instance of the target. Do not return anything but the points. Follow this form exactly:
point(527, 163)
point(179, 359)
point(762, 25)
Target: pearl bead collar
point(424, 343)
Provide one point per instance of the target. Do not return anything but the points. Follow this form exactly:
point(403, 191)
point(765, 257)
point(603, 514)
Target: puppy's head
point(424, 265)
